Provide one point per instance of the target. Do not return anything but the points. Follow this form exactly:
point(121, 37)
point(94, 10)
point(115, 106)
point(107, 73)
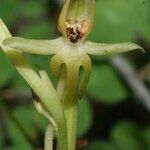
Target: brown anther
point(76, 31)
point(72, 31)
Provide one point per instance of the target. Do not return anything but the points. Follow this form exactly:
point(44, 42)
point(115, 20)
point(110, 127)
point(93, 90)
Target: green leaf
point(101, 145)
point(18, 140)
point(145, 133)
point(9, 10)
point(84, 117)
point(105, 86)
point(40, 30)
point(1, 141)
point(19, 82)
point(6, 71)
point(30, 118)
point(121, 20)
point(126, 135)
point(32, 9)
point(31, 121)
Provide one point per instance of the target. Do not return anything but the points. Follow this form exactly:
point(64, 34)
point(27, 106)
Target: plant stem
point(61, 135)
point(71, 118)
point(49, 138)
point(70, 112)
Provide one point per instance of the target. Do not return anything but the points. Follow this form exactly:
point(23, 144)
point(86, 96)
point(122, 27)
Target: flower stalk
point(71, 54)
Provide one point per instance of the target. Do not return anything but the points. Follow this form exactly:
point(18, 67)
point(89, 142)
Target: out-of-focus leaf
point(105, 86)
point(31, 121)
point(39, 30)
point(19, 82)
point(32, 9)
point(84, 117)
point(101, 145)
point(6, 71)
point(126, 135)
point(30, 118)
point(39, 120)
point(17, 138)
point(121, 20)
point(0, 139)
point(145, 133)
point(9, 11)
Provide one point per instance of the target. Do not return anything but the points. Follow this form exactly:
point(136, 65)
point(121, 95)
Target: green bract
point(71, 53)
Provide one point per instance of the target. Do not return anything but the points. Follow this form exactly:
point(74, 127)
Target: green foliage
point(126, 135)
point(40, 30)
point(10, 10)
point(0, 139)
point(32, 9)
point(120, 20)
point(31, 120)
point(84, 117)
point(145, 134)
point(105, 86)
point(18, 140)
point(6, 70)
point(18, 82)
point(101, 145)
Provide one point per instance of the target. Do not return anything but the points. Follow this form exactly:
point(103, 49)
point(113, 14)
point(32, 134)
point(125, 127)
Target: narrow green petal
point(41, 47)
point(56, 62)
point(70, 93)
point(87, 66)
point(107, 49)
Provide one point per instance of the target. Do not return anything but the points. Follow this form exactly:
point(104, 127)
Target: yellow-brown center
point(75, 31)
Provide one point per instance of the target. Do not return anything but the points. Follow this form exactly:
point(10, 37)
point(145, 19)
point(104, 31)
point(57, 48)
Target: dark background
point(113, 115)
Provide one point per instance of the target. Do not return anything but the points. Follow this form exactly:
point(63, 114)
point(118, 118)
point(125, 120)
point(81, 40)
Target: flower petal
point(107, 49)
point(86, 64)
point(41, 47)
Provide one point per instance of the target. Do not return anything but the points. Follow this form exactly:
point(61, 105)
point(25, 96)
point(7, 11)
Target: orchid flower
point(70, 54)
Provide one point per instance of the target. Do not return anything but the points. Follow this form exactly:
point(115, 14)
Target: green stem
point(71, 118)
point(70, 112)
point(49, 138)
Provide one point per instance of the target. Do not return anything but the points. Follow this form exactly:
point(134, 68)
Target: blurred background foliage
point(111, 116)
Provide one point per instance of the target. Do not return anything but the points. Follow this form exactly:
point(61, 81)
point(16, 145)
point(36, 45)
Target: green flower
point(71, 49)
point(71, 54)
